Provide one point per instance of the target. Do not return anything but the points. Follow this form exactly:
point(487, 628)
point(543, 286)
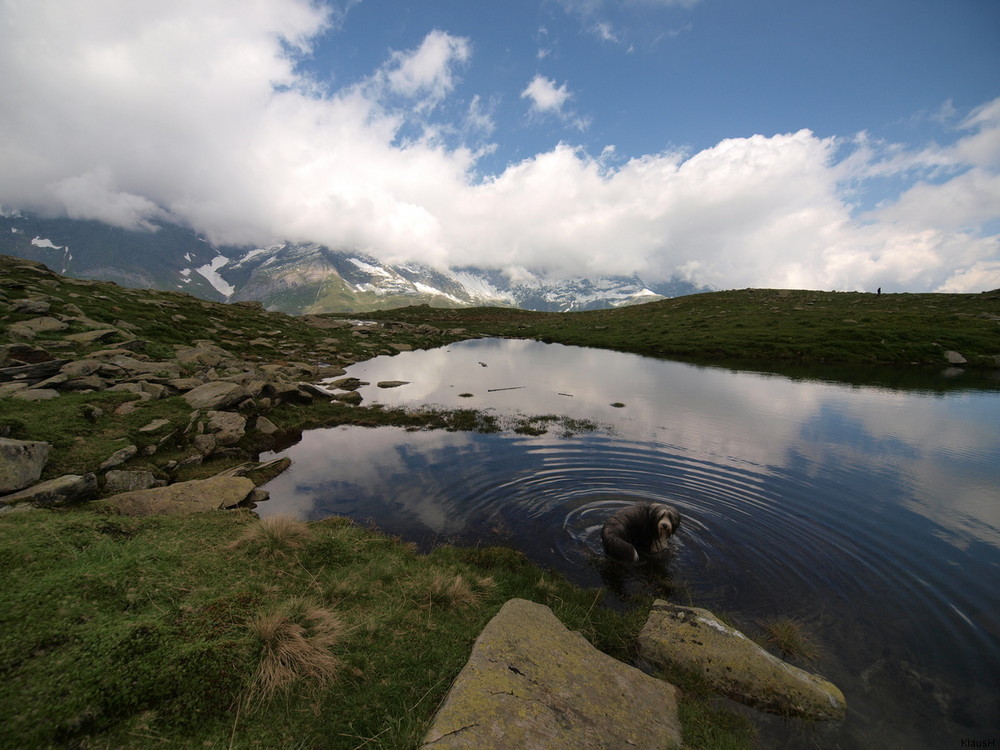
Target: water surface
point(870, 513)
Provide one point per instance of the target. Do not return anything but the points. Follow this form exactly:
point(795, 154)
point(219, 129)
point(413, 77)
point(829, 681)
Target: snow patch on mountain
point(39, 242)
point(211, 273)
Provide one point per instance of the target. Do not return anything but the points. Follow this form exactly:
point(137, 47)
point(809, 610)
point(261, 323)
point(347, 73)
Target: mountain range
point(300, 278)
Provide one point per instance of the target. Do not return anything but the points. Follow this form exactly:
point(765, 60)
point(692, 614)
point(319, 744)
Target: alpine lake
point(867, 512)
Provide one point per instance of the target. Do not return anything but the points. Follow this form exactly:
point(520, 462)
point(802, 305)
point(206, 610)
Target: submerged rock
point(735, 666)
point(531, 683)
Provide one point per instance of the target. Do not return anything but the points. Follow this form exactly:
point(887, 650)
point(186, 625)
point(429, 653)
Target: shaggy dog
point(644, 527)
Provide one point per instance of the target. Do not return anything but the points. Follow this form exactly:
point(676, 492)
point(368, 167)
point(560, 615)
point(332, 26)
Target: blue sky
point(835, 145)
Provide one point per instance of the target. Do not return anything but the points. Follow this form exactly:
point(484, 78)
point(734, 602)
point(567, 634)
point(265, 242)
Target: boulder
point(118, 457)
point(81, 368)
point(36, 394)
point(215, 395)
point(32, 373)
point(28, 329)
point(736, 667)
point(134, 366)
point(392, 383)
point(70, 488)
point(30, 306)
point(204, 353)
point(227, 427)
point(954, 358)
point(265, 425)
point(196, 496)
point(89, 337)
point(21, 463)
point(531, 683)
point(116, 481)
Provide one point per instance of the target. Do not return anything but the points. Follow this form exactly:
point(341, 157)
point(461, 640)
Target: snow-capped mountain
point(300, 278)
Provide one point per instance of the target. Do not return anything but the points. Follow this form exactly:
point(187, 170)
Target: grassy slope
point(762, 325)
point(140, 632)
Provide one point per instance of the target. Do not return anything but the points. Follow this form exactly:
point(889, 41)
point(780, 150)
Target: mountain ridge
point(306, 277)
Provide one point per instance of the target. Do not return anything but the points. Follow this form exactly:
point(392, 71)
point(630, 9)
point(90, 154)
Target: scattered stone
point(531, 683)
point(71, 488)
point(196, 496)
point(116, 481)
point(735, 666)
point(36, 394)
point(227, 427)
point(265, 425)
point(215, 395)
point(348, 384)
point(9, 389)
point(392, 383)
point(21, 463)
point(155, 426)
point(351, 397)
point(28, 329)
point(81, 368)
point(118, 457)
point(30, 306)
point(32, 373)
point(89, 337)
point(954, 358)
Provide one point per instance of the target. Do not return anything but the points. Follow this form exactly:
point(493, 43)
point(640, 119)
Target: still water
point(871, 514)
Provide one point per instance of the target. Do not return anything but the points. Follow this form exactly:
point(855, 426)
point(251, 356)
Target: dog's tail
point(619, 549)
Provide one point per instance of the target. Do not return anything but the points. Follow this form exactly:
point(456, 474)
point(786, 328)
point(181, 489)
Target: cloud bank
point(196, 112)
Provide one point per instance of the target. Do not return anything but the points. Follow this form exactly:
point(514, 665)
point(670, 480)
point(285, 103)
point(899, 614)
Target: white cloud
point(545, 96)
point(129, 112)
point(428, 69)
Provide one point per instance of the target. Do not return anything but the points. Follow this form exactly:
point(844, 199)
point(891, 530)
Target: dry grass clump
point(452, 591)
point(790, 638)
point(274, 536)
point(295, 640)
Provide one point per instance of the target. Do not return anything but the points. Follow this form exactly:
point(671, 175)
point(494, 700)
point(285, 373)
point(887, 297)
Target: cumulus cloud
point(197, 112)
point(545, 96)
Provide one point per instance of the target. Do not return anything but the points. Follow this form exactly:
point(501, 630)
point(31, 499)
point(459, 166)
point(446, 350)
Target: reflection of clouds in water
point(387, 469)
point(732, 419)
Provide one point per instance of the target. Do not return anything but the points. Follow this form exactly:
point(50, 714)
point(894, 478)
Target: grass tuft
point(274, 536)
point(790, 638)
point(295, 640)
point(452, 591)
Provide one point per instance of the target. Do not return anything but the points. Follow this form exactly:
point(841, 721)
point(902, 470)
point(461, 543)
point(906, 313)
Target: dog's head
point(668, 520)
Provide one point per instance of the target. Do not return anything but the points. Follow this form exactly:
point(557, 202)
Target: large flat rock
point(735, 666)
point(530, 684)
point(196, 496)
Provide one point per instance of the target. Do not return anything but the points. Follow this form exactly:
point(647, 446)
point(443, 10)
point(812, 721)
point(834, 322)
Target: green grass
point(178, 632)
point(762, 325)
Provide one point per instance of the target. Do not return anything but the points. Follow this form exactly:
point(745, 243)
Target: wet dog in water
point(643, 528)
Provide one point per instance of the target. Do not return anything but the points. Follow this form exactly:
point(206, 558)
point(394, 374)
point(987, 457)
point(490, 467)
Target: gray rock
point(70, 488)
point(155, 426)
point(196, 496)
point(205, 354)
point(89, 337)
point(735, 666)
point(265, 425)
point(9, 389)
point(28, 329)
point(36, 394)
point(531, 683)
point(351, 397)
point(90, 383)
point(955, 358)
point(348, 384)
point(135, 366)
point(118, 457)
point(392, 383)
point(30, 306)
point(116, 481)
point(205, 444)
point(21, 463)
point(81, 368)
point(32, 373)
point(227, 427)
point(185, 384)
point(215, 395)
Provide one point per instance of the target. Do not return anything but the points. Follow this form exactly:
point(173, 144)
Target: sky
point(821, 144)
